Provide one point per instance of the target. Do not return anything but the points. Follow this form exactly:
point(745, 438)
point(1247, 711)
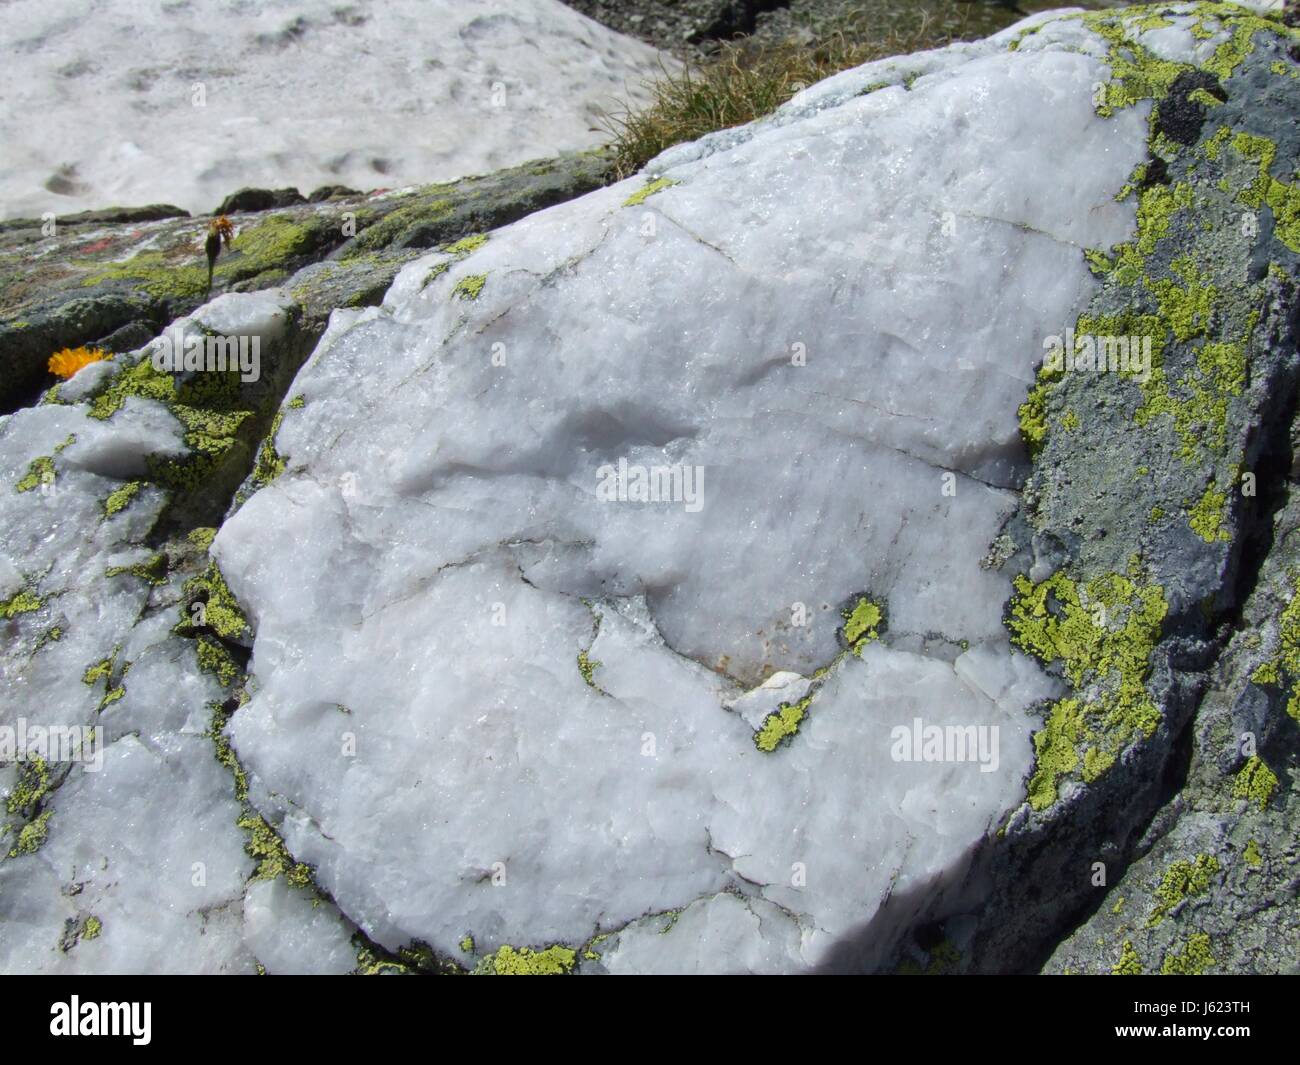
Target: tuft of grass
point(746, 80)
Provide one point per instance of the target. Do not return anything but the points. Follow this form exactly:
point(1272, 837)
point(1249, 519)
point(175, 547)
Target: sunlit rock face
point(552, 510)
point(120, 842)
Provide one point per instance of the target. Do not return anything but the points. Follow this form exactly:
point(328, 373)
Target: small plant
point(220, 231)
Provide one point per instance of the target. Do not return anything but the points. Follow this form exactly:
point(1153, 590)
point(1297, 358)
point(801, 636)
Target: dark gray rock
point(106, 216)
point(1217, 885)
point(89, 279)
point(259, 200)
point(696, 28)
point(129, 337)
point(445, 213)
point(26, 344)
point(330, 192)
point(1154, 577)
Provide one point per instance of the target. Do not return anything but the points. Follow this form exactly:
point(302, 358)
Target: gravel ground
point(695, 27)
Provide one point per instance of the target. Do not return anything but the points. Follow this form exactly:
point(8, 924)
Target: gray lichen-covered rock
point(1217, 888)
point(79, 279)
point(1159, 429)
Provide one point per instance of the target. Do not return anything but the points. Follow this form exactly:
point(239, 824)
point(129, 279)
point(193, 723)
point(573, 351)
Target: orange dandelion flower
point(68, 361)
point(222, 227)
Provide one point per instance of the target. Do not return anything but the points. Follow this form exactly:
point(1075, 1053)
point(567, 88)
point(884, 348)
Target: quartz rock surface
point(504, 713)
point(126, 849)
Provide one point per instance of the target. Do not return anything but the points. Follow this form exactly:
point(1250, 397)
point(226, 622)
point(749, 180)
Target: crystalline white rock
point(59, 538)
point(755, 705)
point(141, 866)
point(262, 314)
point(147, 846)
point(816, 339)
point(293, 933)
point(722, 932)
point(87, 381)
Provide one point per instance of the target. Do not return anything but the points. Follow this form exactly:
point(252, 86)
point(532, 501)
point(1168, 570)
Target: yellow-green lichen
point(1133, 328)
point(1189, 304)
point(39, 472)
point(419, 956)
point(646, 191)
point(466, 245)
point(1103, 634)
point(1056, 751)
point(1242, 26)
point(221, 611)
point(270, 463)
point(202, 537)
point(1255, 782)
point(1129, 963)
point(467, 944)
point(215, 412)
point(113, 695)
point(469, 287)
point(509, 961)
point(1186, 308)
point(862, 623)
point(1136, 74)
point(215, 659)
point(92, 927)
point(151, 571)
point(1181, 881)
point(1281, 197)
point(1194, 959)
point(120, 499)
point(1283, 667)
point(587, 667)
point(32, 836)
point(107, 671)
point(225, 752)
point(780, 725)
point(272, 856)
point(1208, 516)
point(1033, 411)
point(30, 788)
point(1098, 262)
point(1197, 403)
point(1251, 854)
point(372, 963)
point(140, 380)
point(101, 670)
point(23, 602)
